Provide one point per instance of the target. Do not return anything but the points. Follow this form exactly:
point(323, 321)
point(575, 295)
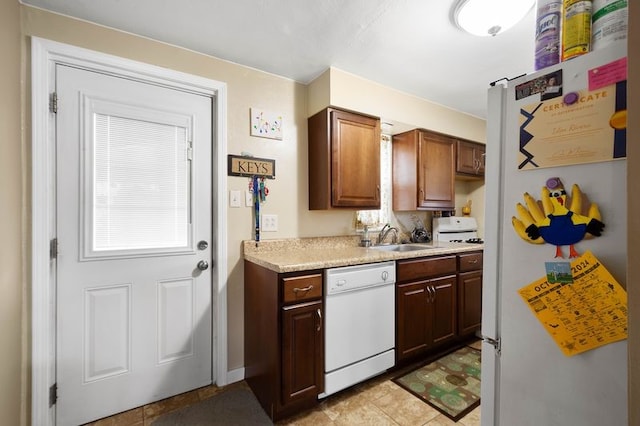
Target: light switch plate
point(234, 198)
point(269, 222)
point(248, 198)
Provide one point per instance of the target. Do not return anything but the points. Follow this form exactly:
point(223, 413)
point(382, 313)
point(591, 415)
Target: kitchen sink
point(404, 247)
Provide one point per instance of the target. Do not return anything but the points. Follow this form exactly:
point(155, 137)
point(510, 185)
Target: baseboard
point(236, 375)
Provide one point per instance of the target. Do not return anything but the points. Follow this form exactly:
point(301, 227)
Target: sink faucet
point(385, 231)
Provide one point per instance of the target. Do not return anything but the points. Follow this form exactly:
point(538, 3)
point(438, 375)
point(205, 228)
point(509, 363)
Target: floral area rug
point(450, 384)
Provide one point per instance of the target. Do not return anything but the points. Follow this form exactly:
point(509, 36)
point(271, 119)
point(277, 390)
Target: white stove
point(461, 229)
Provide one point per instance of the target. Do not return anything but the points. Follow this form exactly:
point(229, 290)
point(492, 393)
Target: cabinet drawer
point(425, 267)
point(470, 262)
point(305, 287)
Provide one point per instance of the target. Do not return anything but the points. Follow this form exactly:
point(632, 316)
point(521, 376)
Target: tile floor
point(145, 415)
point(377, 402)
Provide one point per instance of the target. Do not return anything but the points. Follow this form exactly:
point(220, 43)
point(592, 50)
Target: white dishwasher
point(359, 324)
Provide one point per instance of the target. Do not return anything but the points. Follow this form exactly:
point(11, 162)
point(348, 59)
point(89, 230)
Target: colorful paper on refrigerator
point(574, 129)
point(584, 314)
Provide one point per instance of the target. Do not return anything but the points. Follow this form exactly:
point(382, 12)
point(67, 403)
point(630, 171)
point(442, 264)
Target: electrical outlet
point(269, 222)
point(234, 198)
point(248, 198)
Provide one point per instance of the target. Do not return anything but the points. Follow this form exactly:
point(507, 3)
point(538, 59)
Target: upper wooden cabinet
point(424, 167)
point(470, 159)
point(344, 160)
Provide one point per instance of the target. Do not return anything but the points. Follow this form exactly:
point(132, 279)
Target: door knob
point(203, 265)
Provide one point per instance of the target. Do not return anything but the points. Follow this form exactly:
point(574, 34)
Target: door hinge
point(53, 394)
point(496, 343)
point(53, 102)
point(53, 248)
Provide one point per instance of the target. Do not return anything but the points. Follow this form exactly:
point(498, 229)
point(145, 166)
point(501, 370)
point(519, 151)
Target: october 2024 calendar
point(582, 311)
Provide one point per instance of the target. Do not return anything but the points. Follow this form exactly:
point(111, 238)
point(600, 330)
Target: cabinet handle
point(430, 290)
point(319, 312)
point(472, 261)
point(309, 287)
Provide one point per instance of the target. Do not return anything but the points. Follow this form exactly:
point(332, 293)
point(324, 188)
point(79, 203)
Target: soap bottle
point(576, 28)
point(365, 241)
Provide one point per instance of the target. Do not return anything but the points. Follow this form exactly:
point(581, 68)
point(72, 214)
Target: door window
point(137, 177)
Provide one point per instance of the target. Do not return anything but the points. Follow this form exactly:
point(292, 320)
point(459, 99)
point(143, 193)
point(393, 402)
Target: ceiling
point(409, 45)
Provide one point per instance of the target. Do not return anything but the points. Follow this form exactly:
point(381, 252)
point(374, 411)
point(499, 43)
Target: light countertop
point(302, 254)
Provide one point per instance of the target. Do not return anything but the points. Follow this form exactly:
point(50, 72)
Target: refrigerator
point(526, 377)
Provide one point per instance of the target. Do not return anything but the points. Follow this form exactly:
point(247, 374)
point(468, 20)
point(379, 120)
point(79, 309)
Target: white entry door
point(133, 197)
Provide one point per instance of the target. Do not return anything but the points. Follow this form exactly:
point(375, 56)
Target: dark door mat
point(236, 406)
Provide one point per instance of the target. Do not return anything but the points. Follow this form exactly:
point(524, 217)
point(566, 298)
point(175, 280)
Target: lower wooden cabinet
point(444, 309)
point(413, 323)
point(283, 338)
point(426, 305)
point(469, 293)
point(302, 352)
point(438, 302)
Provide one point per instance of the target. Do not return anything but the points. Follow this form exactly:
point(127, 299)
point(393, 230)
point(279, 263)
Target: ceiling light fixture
point(489, 17)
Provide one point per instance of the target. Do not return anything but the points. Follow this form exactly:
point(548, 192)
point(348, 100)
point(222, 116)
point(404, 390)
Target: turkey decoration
point(559, 222)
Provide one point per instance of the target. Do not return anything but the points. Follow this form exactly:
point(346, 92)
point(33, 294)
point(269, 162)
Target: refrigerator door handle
point(496, 343)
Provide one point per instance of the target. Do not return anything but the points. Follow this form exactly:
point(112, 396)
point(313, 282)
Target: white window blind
point(141, 193)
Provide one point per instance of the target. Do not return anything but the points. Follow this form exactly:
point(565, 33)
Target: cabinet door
point(436, 172)
point(355, 171)
point(465, 158)
point(444, 308)
point(470, 158)
point(413, 327)
point(302, 352)
point(469, 302)
point(481, 153)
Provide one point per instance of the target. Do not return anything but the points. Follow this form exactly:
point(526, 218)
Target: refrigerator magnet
point(561, 221)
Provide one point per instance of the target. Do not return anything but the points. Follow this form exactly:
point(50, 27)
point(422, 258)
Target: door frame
point(491, 273)
point(45, 55)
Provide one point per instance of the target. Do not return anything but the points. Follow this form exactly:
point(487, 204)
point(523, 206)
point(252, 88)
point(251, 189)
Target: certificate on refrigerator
point(579, 127)
point(580, 314)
